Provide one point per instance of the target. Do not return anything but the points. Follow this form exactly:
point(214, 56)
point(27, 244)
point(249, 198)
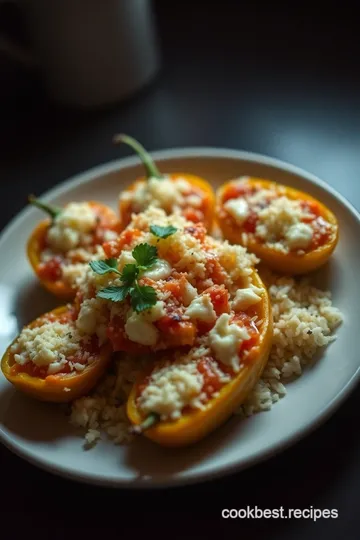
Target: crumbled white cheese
point(194, 200)
point(45, 344)
point(139, 327)
point(110, 235)
point(78, 216)
point(71, 273)
point(182, 185)
point(160, 270)
point(62, 239)
point(170, 389)
point(238, 209)
point(201, 309)
point(278, 218)
point(244, 298)
point(55, 367)
point(71, 227)
point(141, 331)
point(299, 236)
point(91, 319)
point(188, 293)
point(225, 339)
point(160, 193)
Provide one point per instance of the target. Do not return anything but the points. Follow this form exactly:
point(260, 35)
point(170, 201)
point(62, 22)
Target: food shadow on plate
point(32, 300)
point(32, 420)
point(150, 460)
point(327, 275)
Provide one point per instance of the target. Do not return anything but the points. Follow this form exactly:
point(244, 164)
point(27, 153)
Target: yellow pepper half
point(290, 263)
point(195, 425)
point(194, 213)
point(37, 242)
point(60, 387)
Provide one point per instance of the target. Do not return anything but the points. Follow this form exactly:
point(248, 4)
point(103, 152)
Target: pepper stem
point(149, 422)
point(150, 167)
point(53, 211)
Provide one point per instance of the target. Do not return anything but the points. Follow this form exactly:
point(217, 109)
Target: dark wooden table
point(286, 85)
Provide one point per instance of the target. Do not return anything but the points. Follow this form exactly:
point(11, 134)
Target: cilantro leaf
point(113, 293)
point(162, 232)
point(129, 274)
point(104, 267)
point(145, 255)
point(143, 298)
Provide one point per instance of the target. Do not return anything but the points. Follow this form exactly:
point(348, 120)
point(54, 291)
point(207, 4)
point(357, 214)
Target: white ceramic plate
point(40, 434)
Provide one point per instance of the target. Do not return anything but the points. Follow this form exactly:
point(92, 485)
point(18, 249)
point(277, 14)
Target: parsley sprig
point(162, 232)
point(142, 297)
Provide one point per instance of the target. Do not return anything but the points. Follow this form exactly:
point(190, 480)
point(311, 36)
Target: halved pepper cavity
point(195, 424)
point(290, 263)
point(60, 387)
point(199, 205)
point(49, 274)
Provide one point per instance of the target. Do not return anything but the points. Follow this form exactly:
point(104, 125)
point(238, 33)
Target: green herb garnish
point(162, 232)
point(145, 255)
point(53, 211)
point(149, 422)
point(104, 267)
point(113, 293)
point(151, 170)
point(129, 274)
point(142, 297)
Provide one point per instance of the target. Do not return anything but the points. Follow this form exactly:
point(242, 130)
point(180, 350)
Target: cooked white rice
point(104, 411)
point(304, 321)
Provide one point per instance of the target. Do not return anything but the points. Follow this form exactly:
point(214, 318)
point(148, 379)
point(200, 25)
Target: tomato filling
point(52, 269)
point(211, 369)
point(321, 228)
point(87, 351)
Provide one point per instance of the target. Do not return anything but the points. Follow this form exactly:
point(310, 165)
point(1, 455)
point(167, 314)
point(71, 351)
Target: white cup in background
point(93, 52)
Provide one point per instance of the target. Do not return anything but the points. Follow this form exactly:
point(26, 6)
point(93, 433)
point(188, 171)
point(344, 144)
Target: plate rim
point(225, 470)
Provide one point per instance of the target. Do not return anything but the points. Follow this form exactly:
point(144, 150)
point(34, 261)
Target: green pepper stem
point(149, 422)
point(53, 211)
point(150, 167)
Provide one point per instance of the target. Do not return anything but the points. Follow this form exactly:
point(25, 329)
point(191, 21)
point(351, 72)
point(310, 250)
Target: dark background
point(246, 76)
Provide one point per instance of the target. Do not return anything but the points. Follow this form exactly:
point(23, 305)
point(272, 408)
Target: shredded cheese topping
point(71, 227)
point(170, 195)
point(48, 346)
point(282, 223)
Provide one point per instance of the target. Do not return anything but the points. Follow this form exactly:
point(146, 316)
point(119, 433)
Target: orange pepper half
point(290, 263)
point(60, 387)
point(37, 241)
point(197, 424)
point(204, 213)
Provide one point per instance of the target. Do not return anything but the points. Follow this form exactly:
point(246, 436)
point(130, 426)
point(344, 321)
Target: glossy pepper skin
point(283, 263)
point(52, 387)
point(205, 188)
point(36, 242)
point(197, 424)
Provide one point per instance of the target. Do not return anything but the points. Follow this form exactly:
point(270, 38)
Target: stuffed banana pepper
point(60, 247)
point(289, 230)
point(51, 360)
point(187, 395)
point(179, 193)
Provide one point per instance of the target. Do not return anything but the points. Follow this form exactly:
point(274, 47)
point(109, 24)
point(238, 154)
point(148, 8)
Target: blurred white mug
point(92, 52)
